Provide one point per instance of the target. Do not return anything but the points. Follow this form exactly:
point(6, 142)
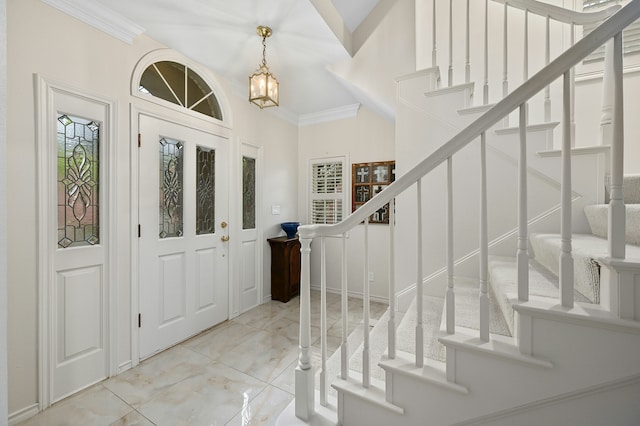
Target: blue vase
point(290, 228)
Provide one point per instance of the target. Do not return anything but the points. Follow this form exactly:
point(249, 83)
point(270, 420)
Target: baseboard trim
point(124, 367)
point(23, 414)
point(357, 295)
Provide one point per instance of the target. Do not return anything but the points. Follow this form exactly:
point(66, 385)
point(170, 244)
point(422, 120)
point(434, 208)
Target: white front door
point(183, 208)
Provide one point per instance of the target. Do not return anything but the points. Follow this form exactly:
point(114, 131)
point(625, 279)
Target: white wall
point(588, 95)
point(366, 137)
point(3, 214)
point(45, 41)
point(387, 53)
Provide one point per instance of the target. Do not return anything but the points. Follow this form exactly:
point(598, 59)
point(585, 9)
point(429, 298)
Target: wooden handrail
point(615, 24)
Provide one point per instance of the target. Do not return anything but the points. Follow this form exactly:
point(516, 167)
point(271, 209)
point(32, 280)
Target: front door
point(183, 208)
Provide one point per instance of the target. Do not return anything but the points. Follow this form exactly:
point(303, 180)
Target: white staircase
point(525, 323)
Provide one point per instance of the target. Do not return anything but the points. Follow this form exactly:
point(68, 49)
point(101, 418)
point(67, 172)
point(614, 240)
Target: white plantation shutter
point(327, 190)
point(630, 36)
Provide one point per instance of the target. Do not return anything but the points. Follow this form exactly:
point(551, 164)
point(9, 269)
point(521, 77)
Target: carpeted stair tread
point(467, 297)
point(406, 331)
point(585, 249)
point(630, 188)
point(598, 217)
point(503, 279)
point(378, 345)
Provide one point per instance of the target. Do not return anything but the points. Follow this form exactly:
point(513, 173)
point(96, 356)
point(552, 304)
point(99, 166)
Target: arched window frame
point(169, 55)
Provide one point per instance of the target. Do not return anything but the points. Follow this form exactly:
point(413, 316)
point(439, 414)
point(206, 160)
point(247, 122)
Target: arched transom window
point(180, 85)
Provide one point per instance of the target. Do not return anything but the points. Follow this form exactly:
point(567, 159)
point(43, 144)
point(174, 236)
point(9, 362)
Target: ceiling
point(221, 35)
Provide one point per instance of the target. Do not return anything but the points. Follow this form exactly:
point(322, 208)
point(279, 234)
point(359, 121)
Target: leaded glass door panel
point(183, 250)
point(250, 255)
point(77, 317)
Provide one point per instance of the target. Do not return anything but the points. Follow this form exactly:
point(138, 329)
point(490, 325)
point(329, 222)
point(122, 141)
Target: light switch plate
point(275, 209)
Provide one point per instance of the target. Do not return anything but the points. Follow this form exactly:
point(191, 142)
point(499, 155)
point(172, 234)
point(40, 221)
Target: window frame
point(342, 196)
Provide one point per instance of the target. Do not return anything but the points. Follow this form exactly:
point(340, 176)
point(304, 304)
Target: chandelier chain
point(264, 51)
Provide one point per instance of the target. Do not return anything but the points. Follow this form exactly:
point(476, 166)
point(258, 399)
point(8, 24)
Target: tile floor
point(240, 372)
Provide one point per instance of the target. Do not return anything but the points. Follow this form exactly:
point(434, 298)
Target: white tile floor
point(240, 372)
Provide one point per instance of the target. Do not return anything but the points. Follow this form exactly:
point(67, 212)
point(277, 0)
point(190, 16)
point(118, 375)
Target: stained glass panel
point(248, 193)
point(78, 181)
point(205, 190)
point(171, 188)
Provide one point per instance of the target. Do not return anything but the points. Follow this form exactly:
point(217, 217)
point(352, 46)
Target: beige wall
point(3, 213)
point(366, 137)
point(44, 41)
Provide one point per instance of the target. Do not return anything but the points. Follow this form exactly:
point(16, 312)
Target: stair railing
point(561, 66)
point(541, 10)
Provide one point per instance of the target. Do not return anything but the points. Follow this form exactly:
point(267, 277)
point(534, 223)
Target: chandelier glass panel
point(263, 85)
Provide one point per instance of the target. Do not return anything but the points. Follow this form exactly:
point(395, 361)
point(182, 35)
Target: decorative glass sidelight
point(78, 181)
point(248, 193)
point(205, 190)
point(171, 188)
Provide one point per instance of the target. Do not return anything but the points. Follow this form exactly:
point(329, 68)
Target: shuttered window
point(630, 36)
point(327, 190)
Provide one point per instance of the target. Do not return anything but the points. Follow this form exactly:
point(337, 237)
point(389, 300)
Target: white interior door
point(78, 293)
point(183, 210)
point(250, 234)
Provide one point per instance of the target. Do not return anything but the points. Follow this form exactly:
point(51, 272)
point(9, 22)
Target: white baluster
point(450, 295)
point(525, 67)
point(344, 348)
point(434, 50)
point(467, 65)
point(419, 278)
point(573, 91)
point(484, 242)
point(505, 62)
point(450, 43)
point(392, 280)
point(525, 50)
point(366, 375)
point(616, 205)
point(323, 322)
point(606, 119)
point(547, 59)
point(485, 88)
point(522, 255)
point(304, 404)
point(566, 257)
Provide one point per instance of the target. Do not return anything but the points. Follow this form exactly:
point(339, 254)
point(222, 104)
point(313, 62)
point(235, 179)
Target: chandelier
point(263, 85)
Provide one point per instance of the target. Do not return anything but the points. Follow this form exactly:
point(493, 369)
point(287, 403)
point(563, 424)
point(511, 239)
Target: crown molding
point(347, 111)
point(100, 17)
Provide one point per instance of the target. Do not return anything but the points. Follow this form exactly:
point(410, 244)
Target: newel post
point(304, 371)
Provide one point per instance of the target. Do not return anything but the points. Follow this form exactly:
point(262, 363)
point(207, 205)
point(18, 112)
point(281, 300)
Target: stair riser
point(630, 189)
point(495, 384)
point(598, 217)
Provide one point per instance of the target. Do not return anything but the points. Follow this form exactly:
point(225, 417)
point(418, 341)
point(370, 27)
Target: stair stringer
point(501, 379)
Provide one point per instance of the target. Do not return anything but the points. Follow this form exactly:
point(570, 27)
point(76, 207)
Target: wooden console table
point(285, 268)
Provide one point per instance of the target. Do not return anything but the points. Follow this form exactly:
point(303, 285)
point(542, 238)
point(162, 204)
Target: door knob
point(223, 224)
point(224, 238)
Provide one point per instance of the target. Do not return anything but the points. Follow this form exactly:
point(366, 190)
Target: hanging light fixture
point(263, 86)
